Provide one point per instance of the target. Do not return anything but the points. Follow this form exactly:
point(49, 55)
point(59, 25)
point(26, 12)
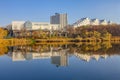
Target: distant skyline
point(41, 10)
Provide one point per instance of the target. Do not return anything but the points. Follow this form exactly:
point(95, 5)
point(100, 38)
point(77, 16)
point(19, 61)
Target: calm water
point(61, 62)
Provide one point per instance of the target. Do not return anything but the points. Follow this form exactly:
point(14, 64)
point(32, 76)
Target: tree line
point(94, 31)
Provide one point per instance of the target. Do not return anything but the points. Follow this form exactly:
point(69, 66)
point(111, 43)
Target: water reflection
point(59, 54)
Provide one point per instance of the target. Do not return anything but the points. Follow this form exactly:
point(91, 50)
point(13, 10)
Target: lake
point(81, 61)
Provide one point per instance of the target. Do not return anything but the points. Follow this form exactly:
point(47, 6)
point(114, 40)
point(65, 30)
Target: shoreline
point(28, 41)
point(75, 40)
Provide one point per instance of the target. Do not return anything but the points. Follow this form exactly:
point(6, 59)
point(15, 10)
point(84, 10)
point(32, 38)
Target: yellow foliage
point(3, 33)
point(3, 50)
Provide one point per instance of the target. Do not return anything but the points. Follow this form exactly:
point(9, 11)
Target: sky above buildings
point(41, 10)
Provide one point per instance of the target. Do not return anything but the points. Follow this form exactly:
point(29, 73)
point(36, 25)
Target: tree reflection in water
point(59, 54)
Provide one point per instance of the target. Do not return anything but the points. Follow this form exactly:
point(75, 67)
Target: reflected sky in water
point(61, 62)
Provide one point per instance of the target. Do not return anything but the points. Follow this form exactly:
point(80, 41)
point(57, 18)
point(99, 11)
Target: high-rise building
point(60, 19)
point(61, 59)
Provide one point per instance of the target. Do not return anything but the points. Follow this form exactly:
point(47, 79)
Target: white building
point(82, 22)
point(103, 22)
point(87, 21)
point(94, 22)
point(19, 25)
point(60, 19)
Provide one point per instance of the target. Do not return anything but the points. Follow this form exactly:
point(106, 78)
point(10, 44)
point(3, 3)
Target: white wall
point(103, 23)
point(83, 22)
point(95, 22)
point(18, 25)
point(87, 21)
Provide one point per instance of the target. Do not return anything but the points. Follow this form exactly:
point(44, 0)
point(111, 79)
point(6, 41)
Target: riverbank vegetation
point(102, 32)
point(88, 33)
point(5, 41)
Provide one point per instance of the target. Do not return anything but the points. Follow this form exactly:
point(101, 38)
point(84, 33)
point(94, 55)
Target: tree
point(96, 34)
point(106, 35)
point(3, 33)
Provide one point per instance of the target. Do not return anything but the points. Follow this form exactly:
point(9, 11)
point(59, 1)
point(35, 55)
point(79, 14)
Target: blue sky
point(41, 10)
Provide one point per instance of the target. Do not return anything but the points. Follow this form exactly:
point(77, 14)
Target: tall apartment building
point(60, 19)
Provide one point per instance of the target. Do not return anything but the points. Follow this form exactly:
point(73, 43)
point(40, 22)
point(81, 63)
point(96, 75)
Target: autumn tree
point(3, 33)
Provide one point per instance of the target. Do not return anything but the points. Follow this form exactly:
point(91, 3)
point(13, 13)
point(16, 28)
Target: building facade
point(27, 25)
point(87, 21)
point(82, 22)
point(103, 22)
point(60, 19)
point(94, 22)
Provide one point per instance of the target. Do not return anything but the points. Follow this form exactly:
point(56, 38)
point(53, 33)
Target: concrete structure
point(87, 21)
point(82, 22)
point(60, 19)
point(19, 25)
point(103, 22)
point(94, 22)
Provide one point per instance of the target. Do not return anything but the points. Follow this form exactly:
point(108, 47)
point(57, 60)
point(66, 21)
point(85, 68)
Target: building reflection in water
point(59, 54)
point(61, 59)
